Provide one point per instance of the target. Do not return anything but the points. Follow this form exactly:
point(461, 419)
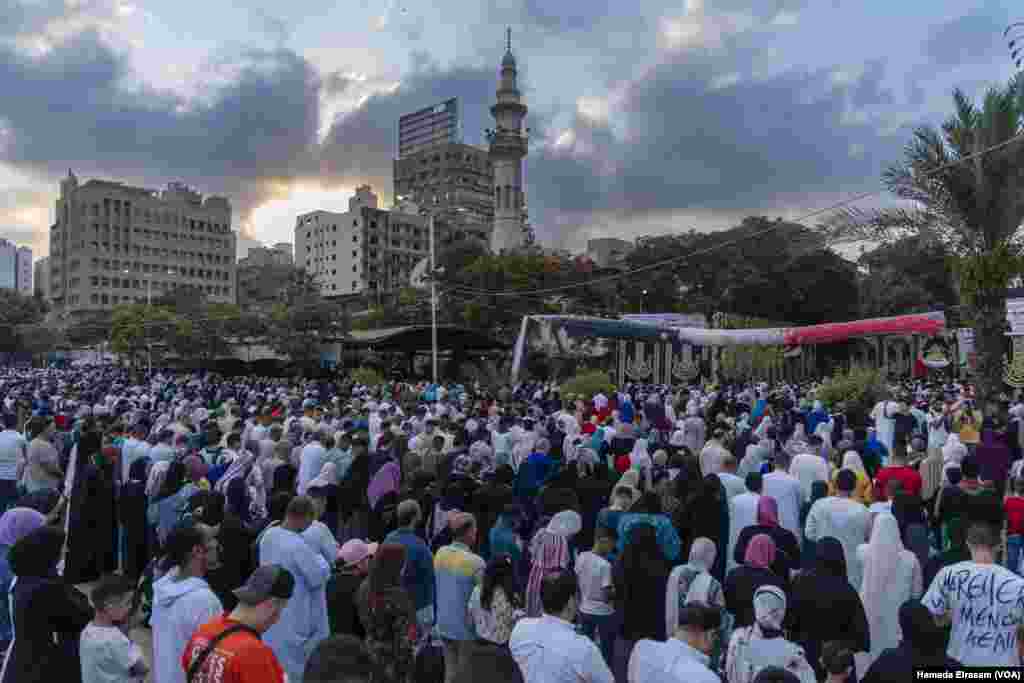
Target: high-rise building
point(41, 278)
point(113, 244)
point(23, 270)
point(430, 127)
point(508, 147)
point(15, 267)
point(455, 180)
point(365, 250)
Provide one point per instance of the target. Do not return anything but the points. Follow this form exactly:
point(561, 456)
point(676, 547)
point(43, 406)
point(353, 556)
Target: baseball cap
point(355, 551)
point(269, 581)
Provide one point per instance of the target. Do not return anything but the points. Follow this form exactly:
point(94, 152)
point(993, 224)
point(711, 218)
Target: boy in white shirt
point(594, 573)
point(106, 653)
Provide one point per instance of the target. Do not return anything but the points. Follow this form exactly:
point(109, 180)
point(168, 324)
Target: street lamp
point(431, 213)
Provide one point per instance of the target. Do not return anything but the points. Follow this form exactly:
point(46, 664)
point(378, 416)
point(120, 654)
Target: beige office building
point(113, 244)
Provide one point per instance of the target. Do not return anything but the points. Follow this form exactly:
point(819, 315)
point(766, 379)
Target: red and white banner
point(830, 333)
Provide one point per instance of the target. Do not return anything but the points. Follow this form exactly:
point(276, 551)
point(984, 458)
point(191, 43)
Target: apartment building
point(365, 250)
point(113, 244)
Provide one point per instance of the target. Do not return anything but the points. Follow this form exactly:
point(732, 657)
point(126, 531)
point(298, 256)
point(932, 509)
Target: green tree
point(21, 318)
point(910, 275)
point(138, 327)
point(206, 333)
point(964, 182)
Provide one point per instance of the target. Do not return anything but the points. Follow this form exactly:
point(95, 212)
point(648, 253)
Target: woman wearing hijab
point(892, 575)
point(692, 582)
point(755, 572)
point(166, 507)
point(825, 607)
point(640, 576)
point(549, 552)
point(494, 606)
point(48, 614)
point(383, 497)
point(15, 524)
point(90, 526)
point(787, 550)
point(913, 522)
point(387, 613)
point(863, 491)
point(706, 514)
point(762, 645)
point(131, 507)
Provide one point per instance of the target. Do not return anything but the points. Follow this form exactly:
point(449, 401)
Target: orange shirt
point(239, 658)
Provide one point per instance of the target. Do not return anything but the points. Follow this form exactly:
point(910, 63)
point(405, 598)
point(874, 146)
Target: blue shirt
point(418, 577)
point(458, 570)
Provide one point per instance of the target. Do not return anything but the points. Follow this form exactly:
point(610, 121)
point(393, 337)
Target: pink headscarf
point(387, 480)
point(760, 552)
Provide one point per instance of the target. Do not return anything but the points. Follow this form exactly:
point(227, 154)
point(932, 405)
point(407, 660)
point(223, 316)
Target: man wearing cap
point(354, 558)
point(241, 656)
point(683, 657)
point(303, 622)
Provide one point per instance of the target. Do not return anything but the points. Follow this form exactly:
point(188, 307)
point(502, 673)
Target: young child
point(596, 591)
point(106, 653)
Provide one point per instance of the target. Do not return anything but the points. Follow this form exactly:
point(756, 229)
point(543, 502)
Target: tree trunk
point(989, 313)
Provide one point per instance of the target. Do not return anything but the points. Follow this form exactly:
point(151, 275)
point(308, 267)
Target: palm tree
point(965, 184)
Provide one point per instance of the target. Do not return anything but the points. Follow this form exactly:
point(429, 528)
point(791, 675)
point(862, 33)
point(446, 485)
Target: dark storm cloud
point(362, 143)
point(72, 110)
point(689, 146)
point(974, 37)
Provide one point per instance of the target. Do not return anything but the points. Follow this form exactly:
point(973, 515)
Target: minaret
point(508, 147)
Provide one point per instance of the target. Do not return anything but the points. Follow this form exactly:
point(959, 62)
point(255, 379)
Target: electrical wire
point(701, 252)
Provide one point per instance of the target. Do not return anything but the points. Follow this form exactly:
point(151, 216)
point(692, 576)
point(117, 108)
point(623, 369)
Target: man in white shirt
point(743, 513)
point(548, 649)
point(712, 454)
point(787, 492)
point(13, 457)
point(734, 484)
point(311, 461)
point(845, 520)
point(682, 658)
point(982, 600)
point(134, 447)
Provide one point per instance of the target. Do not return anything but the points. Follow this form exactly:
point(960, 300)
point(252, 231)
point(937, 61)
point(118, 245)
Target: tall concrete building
point(508, 148)
point(114, 244)
point(41, 278)
point(434, 126)
point(365, 250)
point(15, 267)
point(433, 168)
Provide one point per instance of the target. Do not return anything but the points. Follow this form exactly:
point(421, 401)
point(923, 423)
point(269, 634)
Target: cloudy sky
point(647, 116)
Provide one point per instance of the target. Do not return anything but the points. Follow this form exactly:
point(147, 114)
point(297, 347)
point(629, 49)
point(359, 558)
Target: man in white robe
point(734, 485)
point(885, 425)
point(712, 454)
point(845, 520)
point(808, 468)
point(787, 492)
point(742, 513)
point(303, 622)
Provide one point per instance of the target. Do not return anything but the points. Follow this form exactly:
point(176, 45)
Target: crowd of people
point(270, 530)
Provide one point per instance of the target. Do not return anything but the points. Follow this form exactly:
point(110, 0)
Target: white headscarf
point(702, 558)
point(852, 461)
point(769, 607)
point(881, 561)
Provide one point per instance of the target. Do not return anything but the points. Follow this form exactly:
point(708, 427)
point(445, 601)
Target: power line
point(727, 243)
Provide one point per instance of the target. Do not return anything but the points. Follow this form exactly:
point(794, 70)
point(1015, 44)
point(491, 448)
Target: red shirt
point(239, 658)
point(1014, 507)
point(908, 475)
